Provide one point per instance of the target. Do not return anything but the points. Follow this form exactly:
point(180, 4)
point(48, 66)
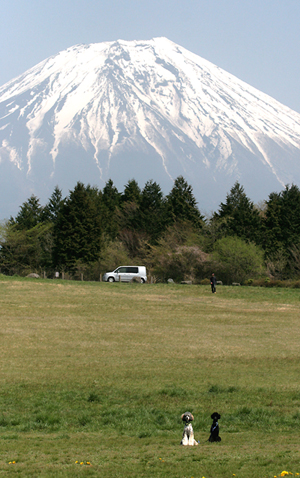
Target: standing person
point(213, 282)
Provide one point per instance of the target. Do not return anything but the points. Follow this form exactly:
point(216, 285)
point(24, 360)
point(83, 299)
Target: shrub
point(205, 282)
point(236, 259)
point(113, 256)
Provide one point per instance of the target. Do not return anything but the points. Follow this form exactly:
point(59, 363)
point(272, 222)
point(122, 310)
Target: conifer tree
point(290, 215)
point(110, 202)
point(52, 208)
point(30, 214)
point(153, 210)
point(182, 205)
point(282, 221)
point(239, 217)
point(77, 231)
point(129, 214)
point(132, 192)
point(111, 196)
point(272, 228)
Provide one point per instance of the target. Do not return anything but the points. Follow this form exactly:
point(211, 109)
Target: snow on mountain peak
point(144, 99)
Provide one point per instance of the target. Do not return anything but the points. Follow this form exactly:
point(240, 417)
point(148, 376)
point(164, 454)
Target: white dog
point(188, 432)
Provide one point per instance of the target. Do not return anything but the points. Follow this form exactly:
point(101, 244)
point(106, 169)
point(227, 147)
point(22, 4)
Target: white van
point(126, 274)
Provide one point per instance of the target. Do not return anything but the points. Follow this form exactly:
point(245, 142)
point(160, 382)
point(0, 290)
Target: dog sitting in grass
point(214, 429)
point(188, 432)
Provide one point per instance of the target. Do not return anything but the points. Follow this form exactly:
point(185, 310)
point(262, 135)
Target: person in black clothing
point(213, 282)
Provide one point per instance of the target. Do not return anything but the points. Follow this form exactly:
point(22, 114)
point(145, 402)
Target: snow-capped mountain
point(142, 110)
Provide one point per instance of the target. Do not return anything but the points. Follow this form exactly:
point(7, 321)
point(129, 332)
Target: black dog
point(214, 429)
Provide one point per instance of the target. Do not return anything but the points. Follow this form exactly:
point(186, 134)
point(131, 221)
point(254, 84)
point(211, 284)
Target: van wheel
point(110, 279)
point(142, 281)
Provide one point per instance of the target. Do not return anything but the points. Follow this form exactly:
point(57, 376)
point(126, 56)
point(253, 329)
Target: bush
point(276, 283)
point(114, 255)
point(205, 282)
point(180, 264)
point(236, 259)
point(178, 255)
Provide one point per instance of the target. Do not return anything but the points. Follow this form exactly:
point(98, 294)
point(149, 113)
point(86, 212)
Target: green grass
point(101, 373)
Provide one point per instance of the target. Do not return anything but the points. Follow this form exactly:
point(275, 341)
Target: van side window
point(132, 270)
point(121, 270)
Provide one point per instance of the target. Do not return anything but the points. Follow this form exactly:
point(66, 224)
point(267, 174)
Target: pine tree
point(282, 221)
point(132, 192)
point(110, 196)
point(129, 214)
point(52, 208)
point(273, 240)
point(77, 231)
point(182, 205)
point(290, 216)
point(239, 217)
point(110, 203)
point(153, 211)
point(30, 214)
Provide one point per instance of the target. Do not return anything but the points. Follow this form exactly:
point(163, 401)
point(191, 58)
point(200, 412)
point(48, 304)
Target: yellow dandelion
point(14, 462)
point(88, 463)
point(81, 463)
point(76, 461)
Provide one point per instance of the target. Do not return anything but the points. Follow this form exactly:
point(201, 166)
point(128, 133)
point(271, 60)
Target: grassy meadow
point(95, 376)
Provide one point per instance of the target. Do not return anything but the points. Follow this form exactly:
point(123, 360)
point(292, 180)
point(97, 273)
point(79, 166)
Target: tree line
point(92, 231)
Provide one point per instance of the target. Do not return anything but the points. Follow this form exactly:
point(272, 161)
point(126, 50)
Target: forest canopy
point(91, 231)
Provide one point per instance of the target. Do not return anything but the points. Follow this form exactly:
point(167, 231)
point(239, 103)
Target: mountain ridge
point(143, 109)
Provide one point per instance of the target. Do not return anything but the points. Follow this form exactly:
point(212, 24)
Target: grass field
point(99, 374)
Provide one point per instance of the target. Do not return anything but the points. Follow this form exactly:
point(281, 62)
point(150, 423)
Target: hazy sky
point(256, 40)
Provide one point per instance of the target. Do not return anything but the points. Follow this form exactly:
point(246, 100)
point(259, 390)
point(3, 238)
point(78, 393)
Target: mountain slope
point(143, 110)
